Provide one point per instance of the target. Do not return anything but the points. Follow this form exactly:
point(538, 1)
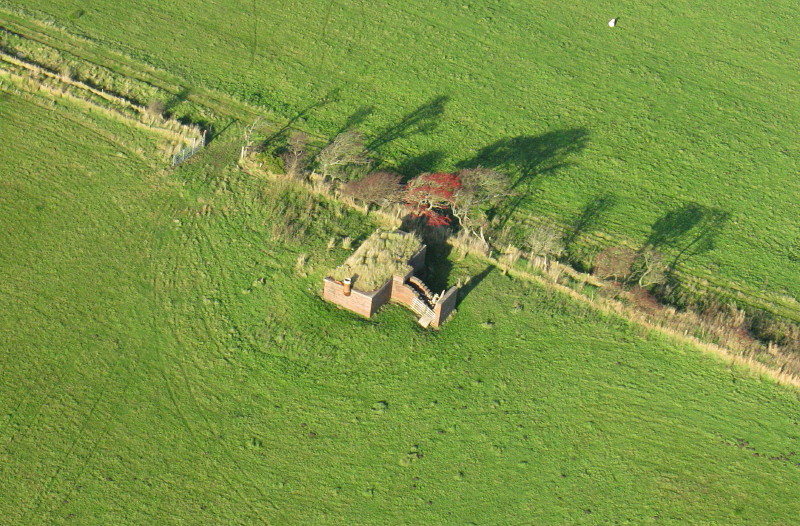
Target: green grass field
point(682, 117)
point(165, 361)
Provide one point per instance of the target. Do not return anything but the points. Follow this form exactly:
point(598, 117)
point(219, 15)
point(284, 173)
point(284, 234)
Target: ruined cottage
point(384, 268)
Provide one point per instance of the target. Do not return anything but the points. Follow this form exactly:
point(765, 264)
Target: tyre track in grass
point(90, 457)
point(35, 510)
point(212, 255)
point(106, 137)
point(99, 55)
point(67, 370)
point(201, 434)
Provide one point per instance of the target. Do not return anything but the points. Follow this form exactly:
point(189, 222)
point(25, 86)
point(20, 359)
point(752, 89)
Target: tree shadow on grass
point(526, 159)
point(688, 230)
point(589, 218)
point(413, 166)
point(277, 138)
point(356, 119)
point(422, 120)
point(211, 131)
point(178, 98)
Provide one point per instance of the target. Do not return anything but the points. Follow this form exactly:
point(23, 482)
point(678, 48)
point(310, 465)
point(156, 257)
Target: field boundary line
point(95, 53)
point(21, 81)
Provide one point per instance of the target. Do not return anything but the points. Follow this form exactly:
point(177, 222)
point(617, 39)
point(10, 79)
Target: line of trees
point(467, 199)
point(473, 201)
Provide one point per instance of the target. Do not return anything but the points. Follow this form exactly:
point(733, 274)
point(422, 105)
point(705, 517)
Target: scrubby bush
point(295, 157)
point(545, 241)
point(376, 188)
point(481, 191)
point(345, 151)
point(614, 263)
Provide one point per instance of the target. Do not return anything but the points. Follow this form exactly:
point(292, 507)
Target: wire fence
point(188, 151)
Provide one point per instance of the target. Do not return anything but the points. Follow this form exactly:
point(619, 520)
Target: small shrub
point(545, 241)
point(300, 265)
point(345, 150)
point(615, 263)
point(377, 188)
point(295, 157)
point(510, 255)
point(155, 108)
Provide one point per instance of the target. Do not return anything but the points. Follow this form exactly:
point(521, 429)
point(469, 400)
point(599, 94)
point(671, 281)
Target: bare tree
point(295, 157)
point(376, 188)
point(481, 191)
point(615, 263)
point(545, 241)
point(649, 268)
point(248, 138)
point(346, 149)
point(155, 108)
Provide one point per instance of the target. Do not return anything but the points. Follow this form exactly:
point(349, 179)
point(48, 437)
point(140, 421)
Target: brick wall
point(367, 303)
point(363, 303)
point(445, 306)
point(417, 261)
point(381, 296)
point(401, 292)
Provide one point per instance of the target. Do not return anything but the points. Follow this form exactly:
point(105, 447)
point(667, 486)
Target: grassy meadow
point(677, 127)
point(166, 359)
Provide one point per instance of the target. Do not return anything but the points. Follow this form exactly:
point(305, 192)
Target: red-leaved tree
point(431, 195)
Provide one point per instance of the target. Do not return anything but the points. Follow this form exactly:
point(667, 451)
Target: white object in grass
point(612, 22)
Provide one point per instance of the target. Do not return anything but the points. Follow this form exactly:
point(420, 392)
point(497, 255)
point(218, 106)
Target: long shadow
point(587, 220)
point(689, 230)
point(356, 118)
point(212, 133)
point(589, 217)
point(437, 257)
point(527, 158)
point(279, 136)
point(423, 120)
point(438, 267)
point(470, 285)
point(178, 98)
point(413, 166)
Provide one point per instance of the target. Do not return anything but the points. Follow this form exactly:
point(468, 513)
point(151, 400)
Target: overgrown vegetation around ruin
point(380, 256)
point(471, 208)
